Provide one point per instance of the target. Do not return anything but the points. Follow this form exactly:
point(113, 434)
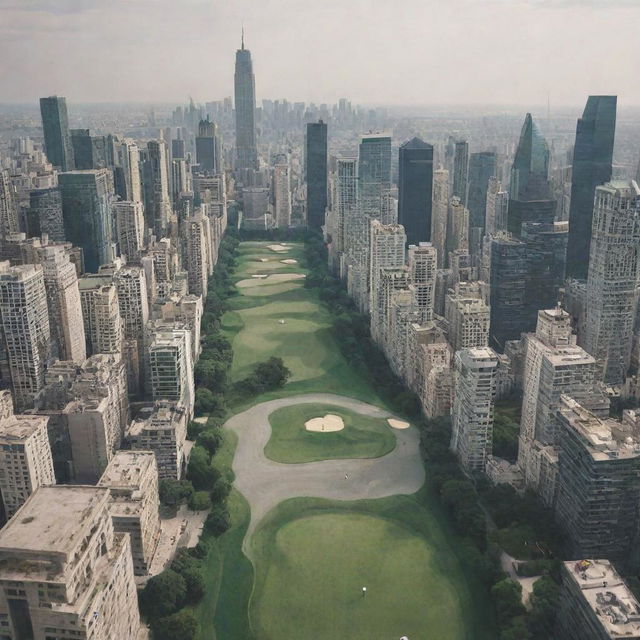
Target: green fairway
point(313, 557)
point(362, 436)
point(284, 319)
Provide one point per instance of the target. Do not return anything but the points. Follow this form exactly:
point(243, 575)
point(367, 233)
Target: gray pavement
point(265, 483)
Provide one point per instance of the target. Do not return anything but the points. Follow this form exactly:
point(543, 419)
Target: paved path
point(265, 483)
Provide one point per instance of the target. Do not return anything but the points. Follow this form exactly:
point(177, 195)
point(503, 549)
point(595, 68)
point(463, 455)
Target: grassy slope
point(313, 557)
point(362, 437)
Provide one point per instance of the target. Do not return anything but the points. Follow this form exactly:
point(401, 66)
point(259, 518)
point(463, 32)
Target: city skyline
point(469, 70)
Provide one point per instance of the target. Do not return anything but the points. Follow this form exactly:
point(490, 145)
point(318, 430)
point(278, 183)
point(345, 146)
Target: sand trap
point(398, 424)
point(260, 275)
point(277, 248)
point(263, 260)
point(329, 423)
point(289, 261)
point(256, 280)
point(202, 420)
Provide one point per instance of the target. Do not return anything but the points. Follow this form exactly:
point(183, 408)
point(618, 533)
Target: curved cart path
point(265, 483)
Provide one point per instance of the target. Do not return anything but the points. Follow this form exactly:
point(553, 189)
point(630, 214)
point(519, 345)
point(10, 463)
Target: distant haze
point(410, 52)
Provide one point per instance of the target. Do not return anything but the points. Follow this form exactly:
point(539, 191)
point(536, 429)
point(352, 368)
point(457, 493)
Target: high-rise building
point(316, 173)
point(598, 482)
point(45, 213)
point(207, 148)
point(25, 459)
point(440, 214)
point(415, 190)
point(387, 244)
point(553, 365)
point(460, 171)
point(596, 603)
point(25, 329)
point(86, 209)
point(157, 201)
point(508, 289)
point(198, 243)
point(132, 480)
point(245, 98)
point(374, 171)
point(530, 198)
point(482, 167)
point(592, 165)
point(128, 162)
point(613, 277)
point(57, 138)
point(457, 228)
point(64, 568)
point(8, 206)
point(282, 194)
point(472, 413)
point(129, 219)
point(423, 264)
point(467, 316)
point(65, 311)
point(89, 152)
point(497, 207)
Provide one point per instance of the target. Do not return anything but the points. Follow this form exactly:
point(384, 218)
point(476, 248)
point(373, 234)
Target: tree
point(544, 599)
point(190, 568)
point(220, 491)
point(200, 472)
point(507, 595)
point(163, 594)
point(179, 626)
point(173, 492)
point(211, 441)
point(218, 521)
point(200, 501)
point(517, 630)
point(211, 373)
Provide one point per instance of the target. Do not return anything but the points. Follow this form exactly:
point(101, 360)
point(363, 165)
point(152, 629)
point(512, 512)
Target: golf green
point(362, 436)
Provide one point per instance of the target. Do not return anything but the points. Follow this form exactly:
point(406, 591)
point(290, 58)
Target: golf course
point(334, 534)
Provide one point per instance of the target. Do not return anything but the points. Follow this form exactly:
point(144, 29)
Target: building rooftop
point(16, 429)
point(126, 469)
point(54, 519)
point(612, 602)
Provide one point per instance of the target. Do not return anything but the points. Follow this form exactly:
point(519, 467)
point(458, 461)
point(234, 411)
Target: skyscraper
point(614, 270)
point(530, 197)
point(415, 190)
point(440, 214)
point(207, 150)
point(460, 170)
point(374, 171)
point(592, 158)
point(8, 206)
point(282, 194)
point(57, 138)
point(482, 167)
point(245, 92)
point(316, 172)
point(86, 209)
point(156, 187)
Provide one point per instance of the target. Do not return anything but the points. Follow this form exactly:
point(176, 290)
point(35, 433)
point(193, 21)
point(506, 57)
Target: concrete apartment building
point(423, 264)
point(132, 479)
point(472, 413)
point(163, 430)
point(24, 318)
point(63, 567)
point(129, 218)
point(598, 482)
point(596, 603)
point(25, 459)
point(467, 316)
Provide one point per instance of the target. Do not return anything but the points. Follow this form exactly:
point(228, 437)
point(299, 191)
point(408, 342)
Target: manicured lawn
point(314, 556)
point(305, 341)
point(362, 436)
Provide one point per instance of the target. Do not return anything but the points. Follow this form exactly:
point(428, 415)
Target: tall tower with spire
point(245, 96)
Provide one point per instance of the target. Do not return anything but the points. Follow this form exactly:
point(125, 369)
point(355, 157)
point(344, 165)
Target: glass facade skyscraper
point(415, 190)
point(482, 167)
point(374, 171)
point(592, 159)
point(57, 138)
point(316, 172)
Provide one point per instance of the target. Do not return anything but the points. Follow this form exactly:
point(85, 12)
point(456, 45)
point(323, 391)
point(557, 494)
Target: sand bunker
point(201, 420)
point(260, 275)
point(260, 279)
point(328, 424)
point(263, 259)
point(278, 248)
point(289, 261)
point(398, 424)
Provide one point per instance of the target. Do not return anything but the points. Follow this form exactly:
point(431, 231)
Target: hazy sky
point(409, 52)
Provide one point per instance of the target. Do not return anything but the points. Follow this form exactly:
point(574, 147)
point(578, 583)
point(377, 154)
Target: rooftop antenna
point(242, 46)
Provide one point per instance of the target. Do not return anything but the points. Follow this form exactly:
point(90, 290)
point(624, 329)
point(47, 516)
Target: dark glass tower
point(415, 190)
point(482, 167)
point(57, 139)
point(530, 197)
point(316, 171)
point(460, 171)
point(245, 94)
point(592, 158)
point(206, 146)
